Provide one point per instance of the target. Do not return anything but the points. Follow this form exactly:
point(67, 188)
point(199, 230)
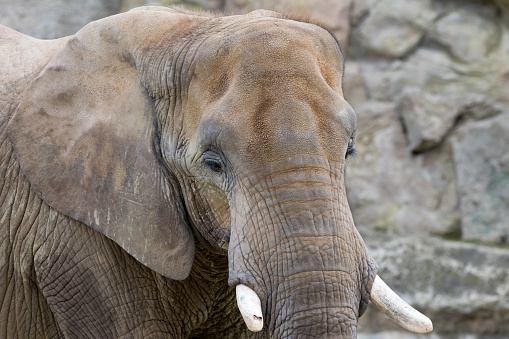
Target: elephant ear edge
point(83, 135)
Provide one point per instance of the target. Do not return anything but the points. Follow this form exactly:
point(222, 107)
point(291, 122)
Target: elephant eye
point(350, 150)
point(214, 165)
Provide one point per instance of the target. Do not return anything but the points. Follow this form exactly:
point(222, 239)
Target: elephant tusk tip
point(250, 307)
point(419, 324)
point(255, 324)
point(398, 310)
point(425, 326)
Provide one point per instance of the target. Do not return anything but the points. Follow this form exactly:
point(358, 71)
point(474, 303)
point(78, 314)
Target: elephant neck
point(209, 266)
point(220, 317)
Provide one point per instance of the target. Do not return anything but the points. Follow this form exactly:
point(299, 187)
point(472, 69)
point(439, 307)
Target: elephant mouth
point(386, 300)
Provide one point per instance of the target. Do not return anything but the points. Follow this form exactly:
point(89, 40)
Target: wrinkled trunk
point(294, 243)
point(315, 306)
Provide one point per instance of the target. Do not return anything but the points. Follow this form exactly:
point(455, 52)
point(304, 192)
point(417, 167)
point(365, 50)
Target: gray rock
point(462, 57)
point(354, 88)
point(210, 5)
point(395, 334)
point(427, 117)
point(434, 72)
point(50, 19)
point(395, 27)
point(387, 189)
point(480, 109)
point(468, 35)
point(458, 285)
point(504, 6)
point(481, 156)
point(129, 4)
point(385, 79)
point(438, 168)
point(358, 11)
point(479, 89)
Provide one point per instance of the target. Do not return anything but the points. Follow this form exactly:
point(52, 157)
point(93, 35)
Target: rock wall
point(444, 66)
point(429, 189)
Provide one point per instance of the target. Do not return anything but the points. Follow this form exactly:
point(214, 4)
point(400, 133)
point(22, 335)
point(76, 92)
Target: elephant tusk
point(250, 307)
point(397, 309)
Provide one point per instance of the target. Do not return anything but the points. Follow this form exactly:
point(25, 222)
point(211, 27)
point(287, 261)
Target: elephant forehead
point(266, 127)
point(265, 50)
point(269, 86)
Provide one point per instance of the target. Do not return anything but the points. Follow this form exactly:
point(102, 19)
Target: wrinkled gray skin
point(157, 159)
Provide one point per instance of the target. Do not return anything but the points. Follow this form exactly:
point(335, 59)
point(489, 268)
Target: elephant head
point(161, 128)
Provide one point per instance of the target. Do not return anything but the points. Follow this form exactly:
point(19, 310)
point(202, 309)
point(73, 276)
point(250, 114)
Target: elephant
point(172, 174)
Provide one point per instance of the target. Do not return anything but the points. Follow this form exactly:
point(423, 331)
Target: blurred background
point(429, 189)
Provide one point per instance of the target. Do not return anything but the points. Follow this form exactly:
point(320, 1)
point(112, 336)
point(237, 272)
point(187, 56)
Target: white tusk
point(397, 309)
point(250, 307)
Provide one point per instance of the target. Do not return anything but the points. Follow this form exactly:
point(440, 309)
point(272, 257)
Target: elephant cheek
point(209, 212)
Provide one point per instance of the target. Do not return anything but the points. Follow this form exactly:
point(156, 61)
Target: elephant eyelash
point(213, 161)
point(350, 151)
point(214, 165)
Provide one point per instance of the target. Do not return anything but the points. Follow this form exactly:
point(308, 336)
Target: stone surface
point(433, 71)
point(427, 118)
point(353, 85)
point(387, 189)
point(504, 6)
point(50, 19)
point(481, 155)
point(468, 35)
point(438, 168)
point(129, 4)
point(211, 5)
point(463, 288)
point(358, 11)
point(395, 27)
point(461, 66)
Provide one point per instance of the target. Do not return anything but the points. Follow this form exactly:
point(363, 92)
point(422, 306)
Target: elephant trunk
point(324, 305)
point(310, 303)
point(294, 244)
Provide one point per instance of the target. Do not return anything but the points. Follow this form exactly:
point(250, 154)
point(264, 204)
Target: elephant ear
point(84, 137)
